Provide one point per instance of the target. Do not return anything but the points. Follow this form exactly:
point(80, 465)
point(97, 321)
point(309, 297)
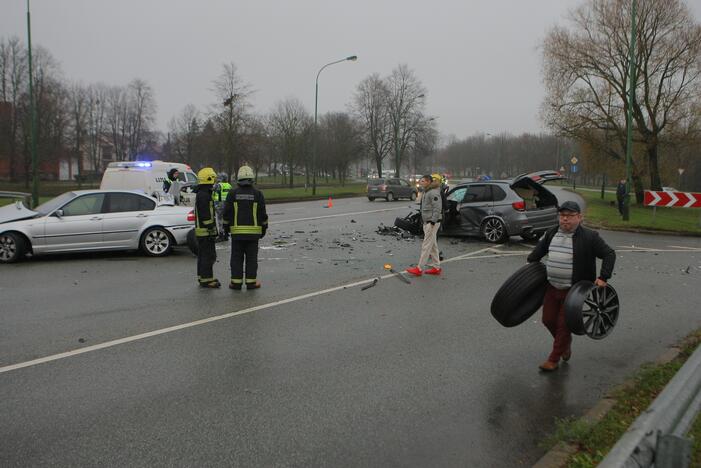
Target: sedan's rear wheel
point(413, 196)
point(390, 196)
point(156, 242)
point(494, 231)
point(12, 247)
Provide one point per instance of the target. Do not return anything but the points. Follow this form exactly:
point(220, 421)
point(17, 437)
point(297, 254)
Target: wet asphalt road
point(397, 375)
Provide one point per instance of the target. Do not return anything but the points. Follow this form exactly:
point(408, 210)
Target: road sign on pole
point(574, 160)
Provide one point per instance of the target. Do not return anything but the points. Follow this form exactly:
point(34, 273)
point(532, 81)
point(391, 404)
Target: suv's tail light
point(519, 205)
point(191, 216)
point(383, 188)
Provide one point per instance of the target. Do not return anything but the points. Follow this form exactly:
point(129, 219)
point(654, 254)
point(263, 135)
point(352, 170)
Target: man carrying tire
point(431, 216)
point(572, 251)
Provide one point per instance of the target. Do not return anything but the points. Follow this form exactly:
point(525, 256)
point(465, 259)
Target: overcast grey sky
point(480, 60)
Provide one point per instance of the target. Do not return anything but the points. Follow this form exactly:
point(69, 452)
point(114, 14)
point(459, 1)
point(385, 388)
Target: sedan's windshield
point(54, 203)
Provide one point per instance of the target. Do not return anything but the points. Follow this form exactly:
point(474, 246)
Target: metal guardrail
point(657, 437)
point(27, 197)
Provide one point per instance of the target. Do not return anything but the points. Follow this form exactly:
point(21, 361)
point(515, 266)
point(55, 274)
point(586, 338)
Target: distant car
point(495, 210)
point(390, 188)
point(148, 176)
point(93, 220)
point(669, 189)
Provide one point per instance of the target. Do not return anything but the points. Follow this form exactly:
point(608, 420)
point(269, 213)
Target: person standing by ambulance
point(247, 221)
point(206, 229)
point(219, 194)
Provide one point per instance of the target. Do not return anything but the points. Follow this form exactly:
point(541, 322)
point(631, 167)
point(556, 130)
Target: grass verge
point(594, 441)
point(604, 214)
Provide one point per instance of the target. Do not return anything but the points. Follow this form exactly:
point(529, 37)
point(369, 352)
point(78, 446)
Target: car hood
point(15, 212)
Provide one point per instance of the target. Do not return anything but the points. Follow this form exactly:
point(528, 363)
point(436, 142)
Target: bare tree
point(370, 104)
point(78, 111)
point(13, 73)
point(586, 71)
point(96, 108)
point(405, 103)
point(290, 122)
point(141, 110)
point(341, 143)
point(184, 130)
point(232, 94)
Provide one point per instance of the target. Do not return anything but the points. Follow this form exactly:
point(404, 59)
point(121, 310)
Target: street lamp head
point(352, 58)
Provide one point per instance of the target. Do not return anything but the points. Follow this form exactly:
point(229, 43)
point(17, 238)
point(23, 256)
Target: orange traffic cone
point(330, 205)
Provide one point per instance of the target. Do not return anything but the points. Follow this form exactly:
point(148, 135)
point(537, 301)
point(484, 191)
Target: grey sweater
point(432, 205)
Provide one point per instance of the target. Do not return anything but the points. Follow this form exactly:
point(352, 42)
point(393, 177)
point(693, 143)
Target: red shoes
point(416, 271)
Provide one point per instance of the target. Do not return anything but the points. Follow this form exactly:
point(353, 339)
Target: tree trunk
point(653, 167)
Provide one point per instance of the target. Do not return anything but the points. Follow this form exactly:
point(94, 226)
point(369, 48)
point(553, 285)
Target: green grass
point(48, 188)
point(321, 192)
point(695, 435)
point(604, 213)
point(595, 441)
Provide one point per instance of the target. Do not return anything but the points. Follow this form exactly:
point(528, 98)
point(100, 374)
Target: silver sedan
point(93, 220)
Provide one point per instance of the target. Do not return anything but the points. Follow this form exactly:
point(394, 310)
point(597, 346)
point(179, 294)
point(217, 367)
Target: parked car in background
point(148, 176)
point(93, 220)
point(390, 188)
point(495, 210)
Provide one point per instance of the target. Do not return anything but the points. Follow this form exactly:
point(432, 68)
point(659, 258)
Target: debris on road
point(399, 275)
point(368, 286)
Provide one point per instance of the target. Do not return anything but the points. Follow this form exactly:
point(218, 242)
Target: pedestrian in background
point(621, 195)
point(220, 192)
point(431, 217)
point(206, 229)
point(247, 221)
point(572, 251)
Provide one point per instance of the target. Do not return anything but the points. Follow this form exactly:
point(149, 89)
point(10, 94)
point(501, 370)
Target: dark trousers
point(206, 256)
point(554, 320)
point(244, 250)
point(620, 206)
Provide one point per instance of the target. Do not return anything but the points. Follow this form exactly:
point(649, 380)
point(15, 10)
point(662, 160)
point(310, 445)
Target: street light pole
point(629, 117)
point(32, 106)
point(351, 58)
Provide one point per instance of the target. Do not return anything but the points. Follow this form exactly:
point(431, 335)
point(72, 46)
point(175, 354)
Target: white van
point(148, 176)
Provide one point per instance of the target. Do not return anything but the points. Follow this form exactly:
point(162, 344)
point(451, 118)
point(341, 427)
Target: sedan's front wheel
point(156, 242)
point(12, 247)
point(494, 231)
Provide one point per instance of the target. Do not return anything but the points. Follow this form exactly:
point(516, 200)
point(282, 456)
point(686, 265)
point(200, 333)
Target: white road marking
point(162, 331)
point(335, 215)
point(685, 247)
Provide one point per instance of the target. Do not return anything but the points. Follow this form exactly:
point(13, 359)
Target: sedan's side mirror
point(59, 214)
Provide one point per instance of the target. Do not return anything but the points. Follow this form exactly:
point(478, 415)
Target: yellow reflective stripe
point(236, 214)
point(236, 281)
point(246, 230)
point(255, 213)
point(210, 221)
point(250, 281)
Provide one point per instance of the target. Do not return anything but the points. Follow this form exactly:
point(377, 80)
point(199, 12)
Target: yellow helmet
point(245, 172)
point(437, 177)
point(206, 176)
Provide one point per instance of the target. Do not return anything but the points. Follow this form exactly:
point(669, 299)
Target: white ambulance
point(148, 176)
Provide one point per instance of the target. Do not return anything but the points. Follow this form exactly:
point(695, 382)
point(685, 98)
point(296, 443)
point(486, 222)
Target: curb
point(557, 456)
point(641, 231)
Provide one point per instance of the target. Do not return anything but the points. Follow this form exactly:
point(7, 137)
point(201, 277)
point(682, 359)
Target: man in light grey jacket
point(431, 216)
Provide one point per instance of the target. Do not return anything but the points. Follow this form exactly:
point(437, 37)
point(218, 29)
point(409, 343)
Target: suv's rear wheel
point(156, 242)
point(371, 198)
point(531, 236)
point(12, 247)
point(390, 196)
point(494, 231)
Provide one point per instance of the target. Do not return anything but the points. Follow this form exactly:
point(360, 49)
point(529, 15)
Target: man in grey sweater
point(431, 216)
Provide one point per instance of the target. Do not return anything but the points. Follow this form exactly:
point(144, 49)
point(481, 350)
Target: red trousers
point(554, 320)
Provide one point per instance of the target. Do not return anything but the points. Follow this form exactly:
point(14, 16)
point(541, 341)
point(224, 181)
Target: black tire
point(591, 310)
point(494, 231)
point(13, 247)
point(371, 198)
point(413, 196)
point(521, 295)
point(192, 242)
point(390, 197)
point(156, 242)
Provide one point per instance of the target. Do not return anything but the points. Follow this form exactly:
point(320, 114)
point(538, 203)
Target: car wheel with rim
point(390, 196)
point(591, 310)
point(494, 231)
point(156, 242)
point(371, 198)
point(12, 247)
point(413, 196)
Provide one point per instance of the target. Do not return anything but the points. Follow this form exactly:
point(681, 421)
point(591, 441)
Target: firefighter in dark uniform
point(206, 229)
point(247, 221)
